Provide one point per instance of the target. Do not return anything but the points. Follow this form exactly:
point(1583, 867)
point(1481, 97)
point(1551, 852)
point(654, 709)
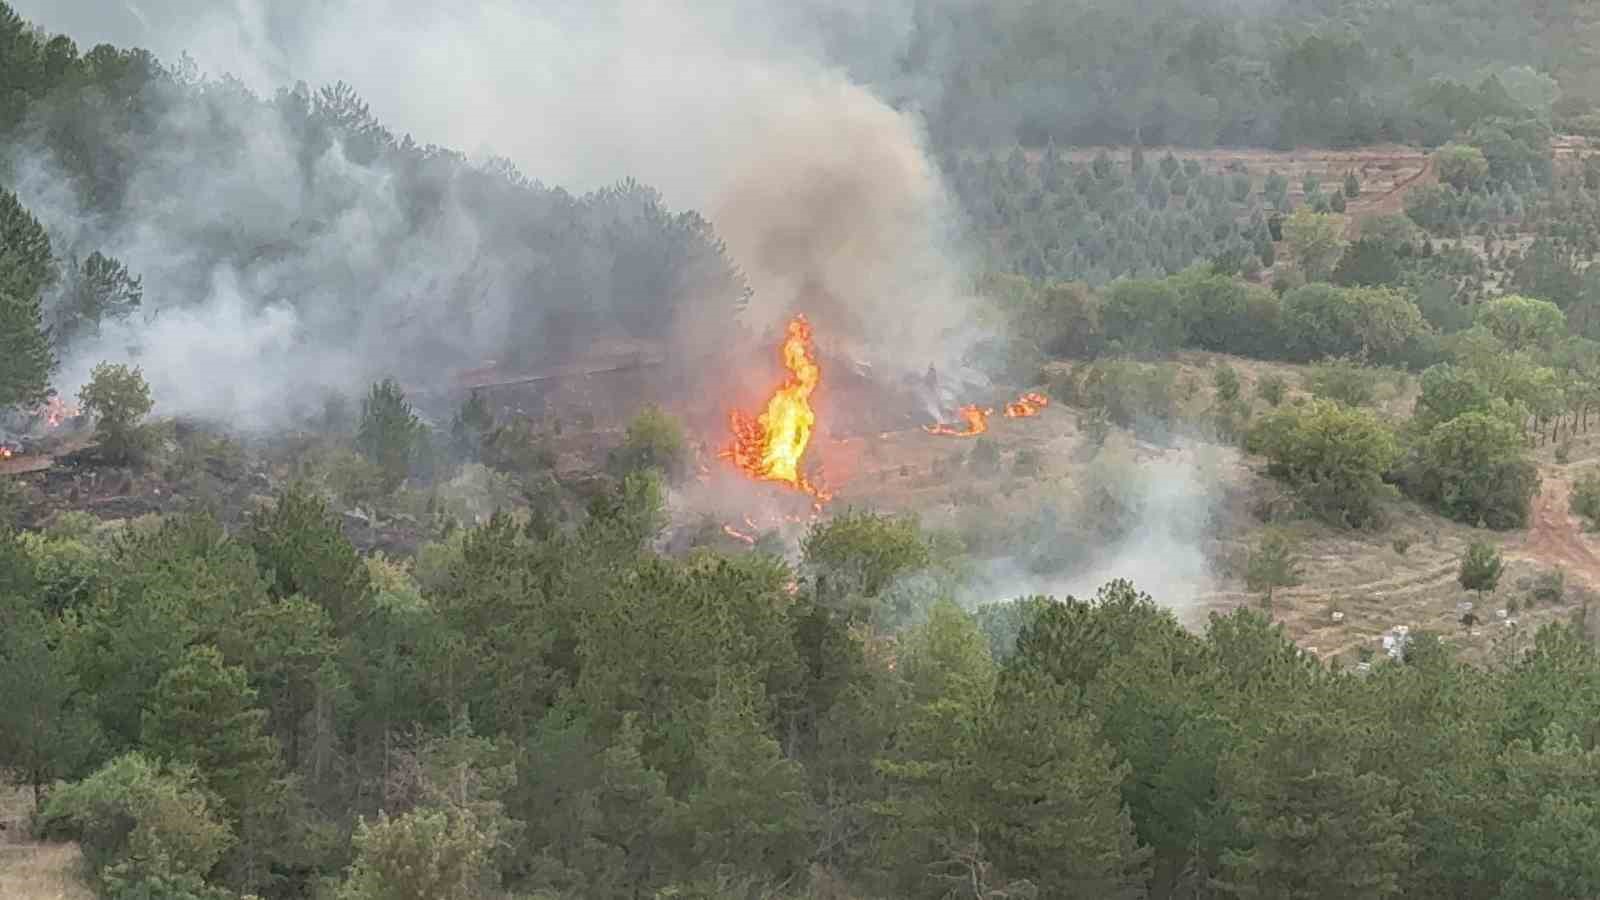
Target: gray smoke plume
point(822, 191)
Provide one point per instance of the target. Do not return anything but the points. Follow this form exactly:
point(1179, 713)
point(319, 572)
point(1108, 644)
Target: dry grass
point(31, 870)
point(1359, 574)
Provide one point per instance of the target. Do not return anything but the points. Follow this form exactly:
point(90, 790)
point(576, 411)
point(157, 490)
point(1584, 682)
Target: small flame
point(770, 447)
point(1028, 404)
point(5, 453)
point(976, 417)
point(736, 534)
point(54, 411)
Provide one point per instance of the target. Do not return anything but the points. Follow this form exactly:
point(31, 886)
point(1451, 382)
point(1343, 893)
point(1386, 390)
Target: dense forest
point(551, 689)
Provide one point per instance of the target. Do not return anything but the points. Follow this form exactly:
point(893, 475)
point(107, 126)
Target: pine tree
point(44, 734)
point(751, 811)
point(389, 431)
point(1051, 795)
point(27, 266)
point(100, 288)
point(27, 270)
point(1481, 567)
point(1313, 824)
point(203, 712)
point(25, 357)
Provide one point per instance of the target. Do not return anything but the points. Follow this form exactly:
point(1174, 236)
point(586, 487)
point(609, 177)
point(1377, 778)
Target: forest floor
point(35, 870)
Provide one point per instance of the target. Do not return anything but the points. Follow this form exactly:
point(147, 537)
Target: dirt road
point(1555, 537)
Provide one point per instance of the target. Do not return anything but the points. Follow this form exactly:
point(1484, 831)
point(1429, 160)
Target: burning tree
point(771, 446)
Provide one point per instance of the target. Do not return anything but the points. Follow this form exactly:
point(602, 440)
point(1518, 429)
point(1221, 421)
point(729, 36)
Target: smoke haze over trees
point(297, 612)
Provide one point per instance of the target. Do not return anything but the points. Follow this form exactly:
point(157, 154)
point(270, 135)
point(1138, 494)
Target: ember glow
point(770, 447)
point(1027, 405)
point(738, 535)
point(55, 411)
point(976, 417)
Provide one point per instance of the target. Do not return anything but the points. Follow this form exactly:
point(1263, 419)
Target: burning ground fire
point(770, 447)
point(1028, 404)
point(977, 417)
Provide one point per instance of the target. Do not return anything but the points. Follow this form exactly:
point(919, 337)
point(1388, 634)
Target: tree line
point(544, 713)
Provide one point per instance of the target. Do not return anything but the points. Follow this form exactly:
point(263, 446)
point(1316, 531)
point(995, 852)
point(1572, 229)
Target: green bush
point(519, 448)
point(1271, 389)
point(427, 854)
point(1585, 499)
point(1225, 381)
point(143, 827)
point(118, 397)
point(1334, 457)
point(654, 441)
point(1474, 469)
point(1344, 381)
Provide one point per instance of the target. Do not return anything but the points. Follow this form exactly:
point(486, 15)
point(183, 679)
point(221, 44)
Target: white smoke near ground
point(1170, 501)
point(823, 193)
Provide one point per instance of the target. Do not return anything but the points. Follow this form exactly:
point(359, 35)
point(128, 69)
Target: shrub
point(1373, 323)
point(1481, 568)
point(1271, 389)
point(1401, 544)
point(1143, 315)
point(519, 448)
point(118, 397)
point(142, 827)
point(427, 854)
point(1226, 383)
point(1474, 468)
point(1344, 381)
point(1333, 456)
point(654, 440)
point(1549, 588)
point(1585, 499)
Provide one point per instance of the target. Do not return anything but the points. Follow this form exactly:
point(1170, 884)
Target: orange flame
point(54, 411)
point(5, 453)
point(976, 417)
point(738, 535)
point(770, 447)
point(1027, 405)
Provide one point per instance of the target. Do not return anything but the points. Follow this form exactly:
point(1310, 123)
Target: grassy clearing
point(32, 870)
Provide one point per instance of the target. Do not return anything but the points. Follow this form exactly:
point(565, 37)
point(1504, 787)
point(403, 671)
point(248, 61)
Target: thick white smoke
point(822, 191)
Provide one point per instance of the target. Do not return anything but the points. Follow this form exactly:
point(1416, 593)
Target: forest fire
point(56, 411)
point(770, 447)
point(738, 535)
point(976, 417)
point(1028, 404)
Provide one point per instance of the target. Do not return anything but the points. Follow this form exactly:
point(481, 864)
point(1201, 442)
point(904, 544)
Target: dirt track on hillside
point(1555, 536)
